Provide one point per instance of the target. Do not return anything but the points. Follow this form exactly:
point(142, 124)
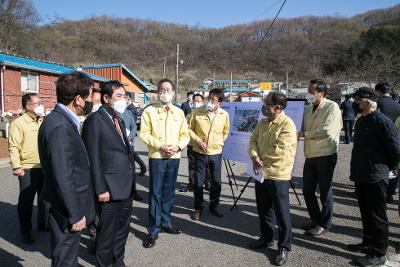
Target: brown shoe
point(316, 231)
point(196, 215)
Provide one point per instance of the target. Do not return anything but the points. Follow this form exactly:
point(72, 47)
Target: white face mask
point(166, 97)
point(310, 98)
point(210, 106)
point(197, 104)
point(120, 106)
point(96, 107)
point(39, 110)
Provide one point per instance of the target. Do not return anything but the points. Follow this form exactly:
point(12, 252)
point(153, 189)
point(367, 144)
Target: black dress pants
point(112, 232)
point(319, 171)
point(372, 202)
point(30, 184)
point(192, 163)
point(348, 130)
point(272, 197)
point(64, 244)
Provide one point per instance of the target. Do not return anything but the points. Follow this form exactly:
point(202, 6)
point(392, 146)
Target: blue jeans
point(163, 174)
point(214, 163)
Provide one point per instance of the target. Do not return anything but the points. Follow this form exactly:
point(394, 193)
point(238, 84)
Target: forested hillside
point(328, 47)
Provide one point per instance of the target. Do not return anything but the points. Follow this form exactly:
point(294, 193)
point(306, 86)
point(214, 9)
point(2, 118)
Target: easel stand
point(231, 176)
point(247, 183)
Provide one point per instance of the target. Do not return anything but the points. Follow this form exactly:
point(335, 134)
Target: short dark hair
point(277, 99)
point(382, 87)
point(165, 80)
point(219, 93)
point(347, 97)
point(129, 94)
point(320, 85)
point(27, 98)
point(202, 97)
point(189, 93)
point(70, 85)
point(366, 93)
point(108, 88)
point(395, 96)
point(96, 90)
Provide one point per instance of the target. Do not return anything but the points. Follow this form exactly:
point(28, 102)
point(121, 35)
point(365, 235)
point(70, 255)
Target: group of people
point(374, 161)
point(80, 160)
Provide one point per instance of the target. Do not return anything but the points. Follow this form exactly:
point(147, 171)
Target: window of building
point(29, 81)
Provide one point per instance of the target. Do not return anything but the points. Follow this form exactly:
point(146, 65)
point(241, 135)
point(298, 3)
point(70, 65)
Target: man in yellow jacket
point(322, 123)
point(208, 128)
point(164, 130)
point(272, 148)
point(24, 155)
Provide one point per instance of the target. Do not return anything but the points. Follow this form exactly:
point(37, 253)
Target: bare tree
point(15, 17)
point(382, 64)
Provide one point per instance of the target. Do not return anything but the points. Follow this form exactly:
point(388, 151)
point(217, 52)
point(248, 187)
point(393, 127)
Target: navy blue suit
point(186, 108)
point(348, 119)
point(67, 184)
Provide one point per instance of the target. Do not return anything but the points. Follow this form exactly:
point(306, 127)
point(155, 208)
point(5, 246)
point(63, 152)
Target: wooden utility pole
point(230, 94)
point(164, 64)
point(287, 83)
point(177, 70)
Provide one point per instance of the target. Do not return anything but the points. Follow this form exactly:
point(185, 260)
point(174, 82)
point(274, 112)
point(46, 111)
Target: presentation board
point(244, 117)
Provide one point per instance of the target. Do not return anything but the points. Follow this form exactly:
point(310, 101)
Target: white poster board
point(244, 117)
point(295, 111)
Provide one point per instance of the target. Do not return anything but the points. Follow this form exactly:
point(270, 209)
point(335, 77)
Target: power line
point(155, 59)
point(264, 11)
point(267, 31)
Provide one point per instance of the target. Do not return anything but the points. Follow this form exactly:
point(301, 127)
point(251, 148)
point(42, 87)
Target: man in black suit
point(348, 117)
point(104, 134)
point(65, 166)
point(391, 109)
point(188, 105)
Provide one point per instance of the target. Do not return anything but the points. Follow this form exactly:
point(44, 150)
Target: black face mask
point(87, 108)
point(266, 111)
point(356, 108)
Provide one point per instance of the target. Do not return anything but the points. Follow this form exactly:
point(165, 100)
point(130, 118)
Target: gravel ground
point(213, 241)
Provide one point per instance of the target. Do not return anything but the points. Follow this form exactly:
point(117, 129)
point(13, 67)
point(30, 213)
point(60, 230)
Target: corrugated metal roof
point(253, 94)
point(42, 66)
point(103, 66)
point(237, 90)
point(118, 65)
point(229, 81)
